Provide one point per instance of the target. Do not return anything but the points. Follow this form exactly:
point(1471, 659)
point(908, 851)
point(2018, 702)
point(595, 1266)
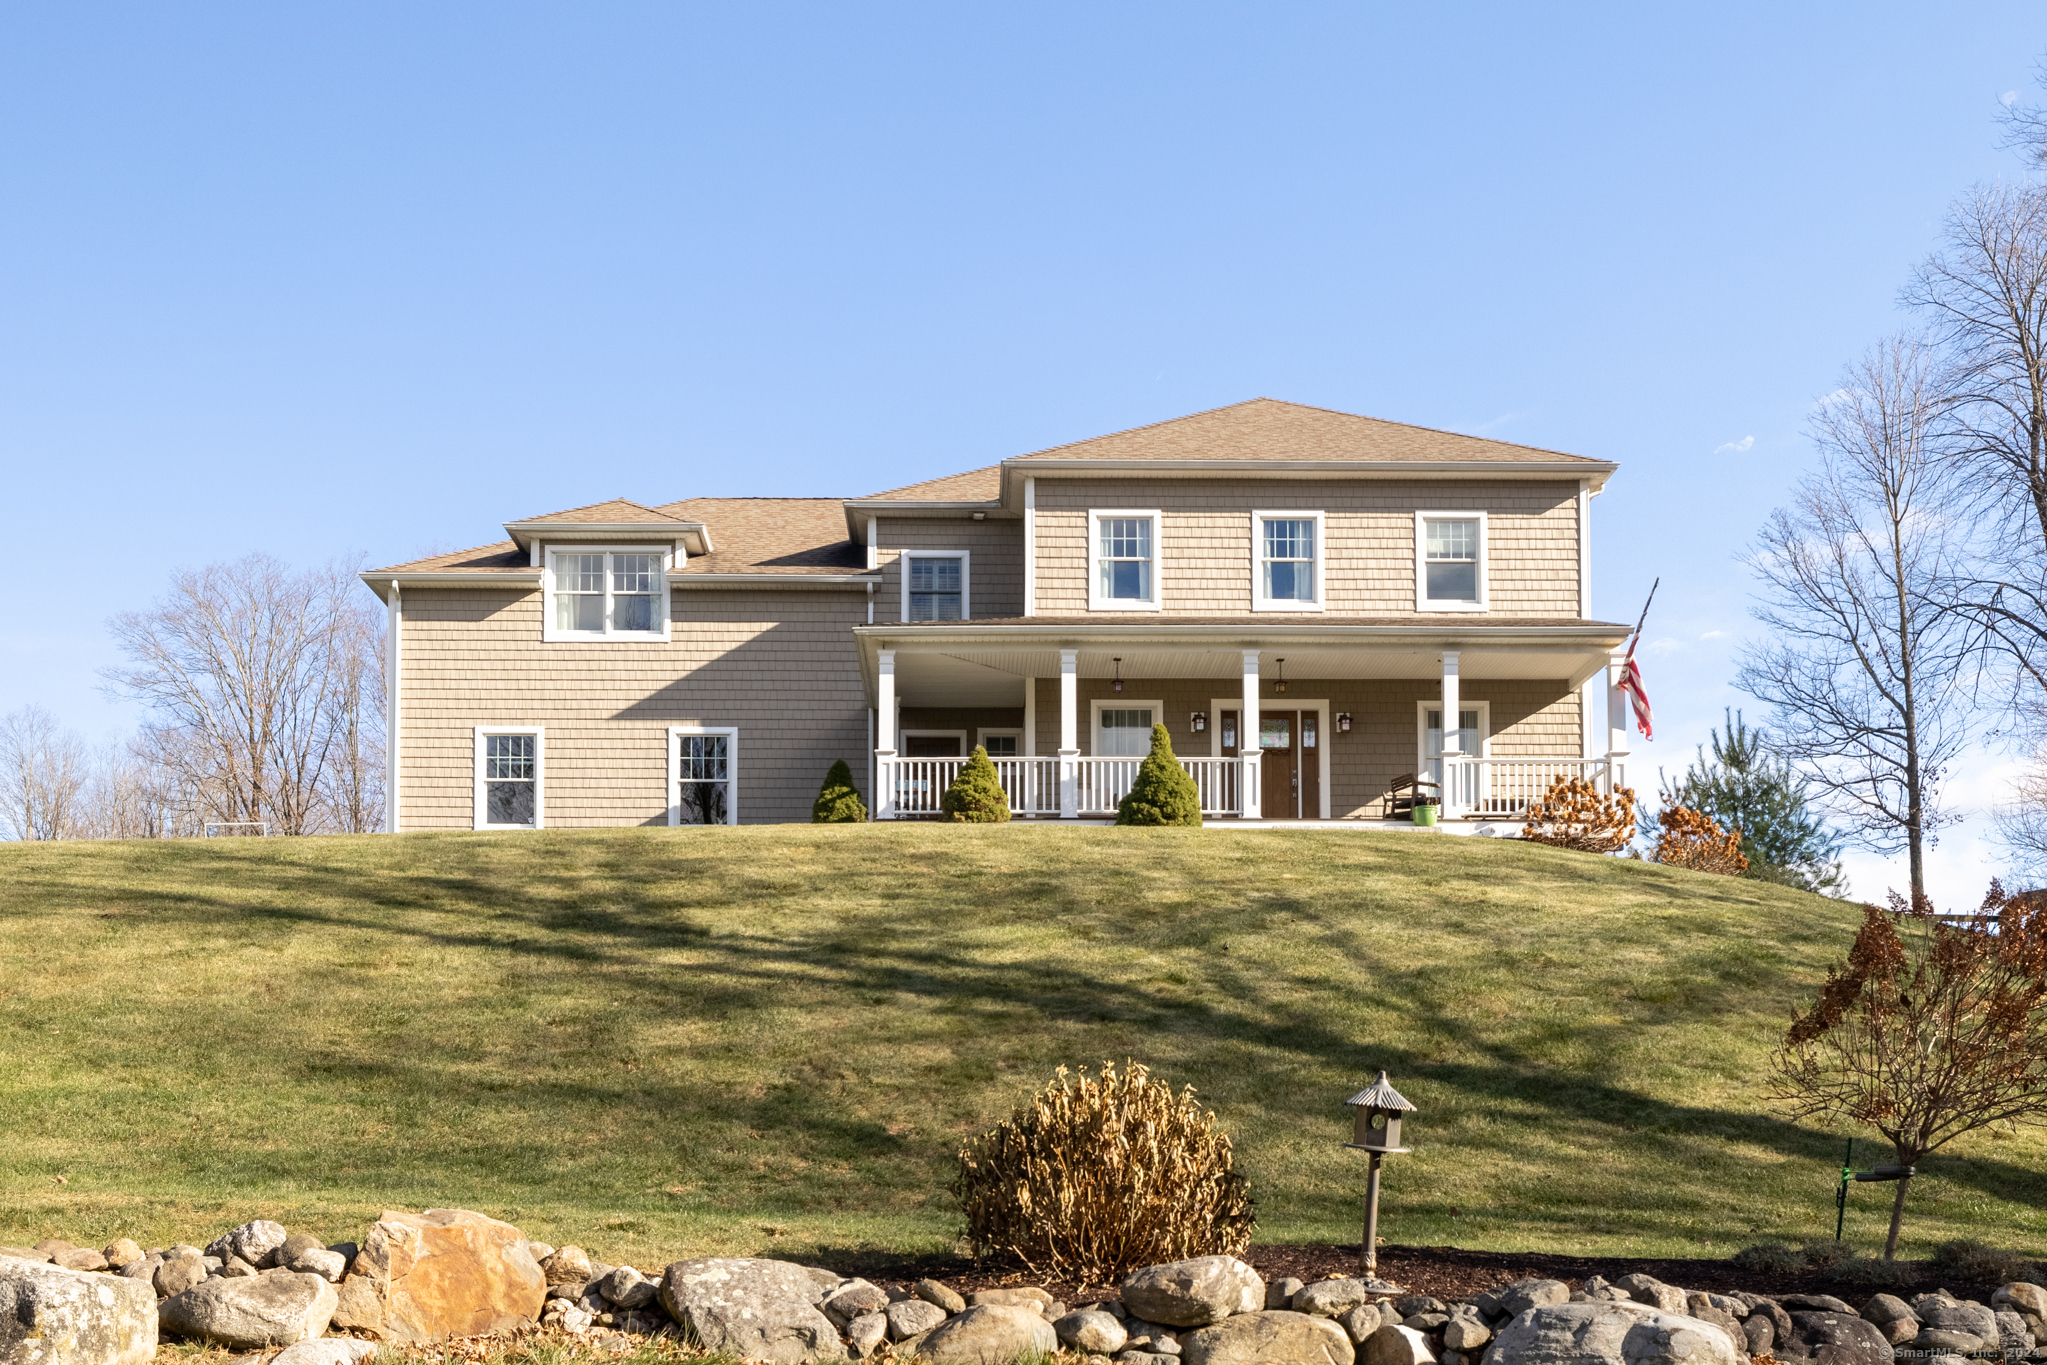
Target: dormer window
point(607, 594)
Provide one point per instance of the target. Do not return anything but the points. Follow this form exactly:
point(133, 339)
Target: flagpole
point(1634, 639)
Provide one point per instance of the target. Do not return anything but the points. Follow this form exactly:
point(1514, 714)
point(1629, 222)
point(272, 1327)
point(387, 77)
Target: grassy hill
point(654, 1041)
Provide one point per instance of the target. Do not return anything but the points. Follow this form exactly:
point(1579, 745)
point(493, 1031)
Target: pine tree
point(1163, 793)
point(1745, 786)
point(976, 795)
point(837, 802)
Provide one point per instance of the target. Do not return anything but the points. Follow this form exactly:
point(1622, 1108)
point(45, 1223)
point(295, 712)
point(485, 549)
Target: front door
point(1291, 769)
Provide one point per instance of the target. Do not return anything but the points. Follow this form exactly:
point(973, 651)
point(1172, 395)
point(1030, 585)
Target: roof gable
point(617, 512)
point(1267, 429)
point(976, 485)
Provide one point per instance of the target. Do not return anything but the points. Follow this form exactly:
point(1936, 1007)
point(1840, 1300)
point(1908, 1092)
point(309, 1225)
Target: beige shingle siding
point(1532, 719)
point(995, 566)
point(1532, 540)
point(780, 665)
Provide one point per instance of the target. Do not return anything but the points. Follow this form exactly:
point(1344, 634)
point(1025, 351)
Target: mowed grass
point(664, 1042)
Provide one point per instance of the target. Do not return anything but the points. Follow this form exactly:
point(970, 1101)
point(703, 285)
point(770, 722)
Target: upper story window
point(935, 585)
point(1287, 554)
point(1450, 561)
point(600, 594)
point(1126, 568)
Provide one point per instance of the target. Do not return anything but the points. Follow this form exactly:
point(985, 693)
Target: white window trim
point(481, 792)
point(981, 736)
point(550, 635)
point(965, 558)
point(1101, 704)
point(676, 732)
point(902, 734)
point(1095, 600)
point(1259, 601)
point(1421, 553)
point(1421, 728)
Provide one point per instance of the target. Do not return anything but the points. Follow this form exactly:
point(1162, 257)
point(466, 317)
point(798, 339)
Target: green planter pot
point(1425, 815)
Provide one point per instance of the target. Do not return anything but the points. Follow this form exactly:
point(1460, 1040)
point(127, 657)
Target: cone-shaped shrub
point(837, 803)
point(1095, 1176)
point(976, 795)
point(1163, 793)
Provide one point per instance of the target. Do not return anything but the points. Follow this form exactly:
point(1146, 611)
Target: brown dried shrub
point(1095, 1176)
point(1573, 814)
point(1688, 838)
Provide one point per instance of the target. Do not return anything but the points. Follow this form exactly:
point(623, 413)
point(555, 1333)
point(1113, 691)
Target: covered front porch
point(1311, 723)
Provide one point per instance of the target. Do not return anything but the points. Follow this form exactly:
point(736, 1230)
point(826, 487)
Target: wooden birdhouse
point(1377, 1110)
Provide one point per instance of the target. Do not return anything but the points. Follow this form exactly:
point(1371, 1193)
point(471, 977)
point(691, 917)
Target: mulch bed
point(1446, 1272)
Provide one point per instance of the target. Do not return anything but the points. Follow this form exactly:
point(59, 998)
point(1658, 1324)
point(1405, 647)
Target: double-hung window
point(1450, 561)
point(600, 594)
point(935, 585)
point(1126, 561)
point(1286, 551)
point(509, 777)
point(703, 775)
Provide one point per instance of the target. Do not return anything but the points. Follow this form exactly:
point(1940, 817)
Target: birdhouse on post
point(1376, 1114)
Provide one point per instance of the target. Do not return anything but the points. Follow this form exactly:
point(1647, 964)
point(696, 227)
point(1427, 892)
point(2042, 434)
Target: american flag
point(1631, 683)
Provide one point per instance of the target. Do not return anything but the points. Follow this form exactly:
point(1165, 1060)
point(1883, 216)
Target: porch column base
point(1250, 802)
point(1069, 784)
point(885, 784)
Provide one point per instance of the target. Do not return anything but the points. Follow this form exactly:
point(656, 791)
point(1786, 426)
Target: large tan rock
point(989, 1334)
point(53, 1316)
point(1193, 1292)
point(442, 1273)
point(1274, 1337)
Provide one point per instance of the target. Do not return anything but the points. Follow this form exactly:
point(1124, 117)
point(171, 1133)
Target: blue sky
point(375, 278)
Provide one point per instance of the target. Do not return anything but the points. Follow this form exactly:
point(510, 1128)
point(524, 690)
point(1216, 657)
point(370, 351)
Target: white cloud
point(1827, 400)
point(1736, 447)
point(1714, 635)
point(1665, 645)
point(2008, 98)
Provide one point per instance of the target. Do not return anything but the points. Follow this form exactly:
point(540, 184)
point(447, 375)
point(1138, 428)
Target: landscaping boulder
point(1397, 1344)
point(1606, 1333)
point(1648, 1289)
point(989, 1334)
point(80, 1258)
point(1892, 1316)
point(1280, 1337)
point(2015, 1339)
point(1512, 1300)
point(178, 1273)
point(759, 1309)
point(53, 1316)
point(1334, 1298)
point(1280, 1293)
point(326, 1351)
point(628, 1289)
point(330, 1266)
point(254, 1242)
point(2021, 1297)
point(931, 1291)
point(867, 1332)
point(1091, 1330)
point(1759, 1334)
point(1024, 1296)
point(1951, 1316)
point(1844, 1339)
point(1814, 1303)
point(1191, 1293)
point(568, 1265)
point(1466, 1331)
point(855, 1299)
point(908, 1317)
point(1361, 1321)
point(272, 1309)
point(442, 1273)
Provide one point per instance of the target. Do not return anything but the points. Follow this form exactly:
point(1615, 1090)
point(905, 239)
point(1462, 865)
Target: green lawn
point(657, 1042)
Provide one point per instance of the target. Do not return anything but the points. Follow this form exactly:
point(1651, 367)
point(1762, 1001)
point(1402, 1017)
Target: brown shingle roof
point(771, 535)
point(617, 512)
point(502, 557)
point(1267, 429)
point(976, 485)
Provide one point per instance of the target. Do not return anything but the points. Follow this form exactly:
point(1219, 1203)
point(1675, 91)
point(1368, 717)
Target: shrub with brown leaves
point(1573, 814)
point(1096, 1176)
point(1687, 838)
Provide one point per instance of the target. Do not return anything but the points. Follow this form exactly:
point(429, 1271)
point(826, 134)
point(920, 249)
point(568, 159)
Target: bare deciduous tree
point(247, 668)
point(1927, 1031)
point(42, 772)
point(1862, 663)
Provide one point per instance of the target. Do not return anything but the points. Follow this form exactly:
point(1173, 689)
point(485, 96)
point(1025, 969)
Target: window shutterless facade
point(606, 593)
point(1287, 553)
point(1449, 561)
point(935, 586)
point(1122, 729)
point(510, 777)
point(703, 775)
point(1124, 549)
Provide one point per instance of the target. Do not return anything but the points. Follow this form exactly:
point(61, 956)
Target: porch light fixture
point(1280, 686)
point(1343, 721)
point(1377, 1110)
point(1198, 721)
point(1119, 675)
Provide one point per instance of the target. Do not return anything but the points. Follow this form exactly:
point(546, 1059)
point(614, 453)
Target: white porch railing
point(1503, 788)
point(1032, 784)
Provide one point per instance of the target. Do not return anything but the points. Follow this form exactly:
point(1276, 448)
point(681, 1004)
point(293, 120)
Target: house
point(1299, 595)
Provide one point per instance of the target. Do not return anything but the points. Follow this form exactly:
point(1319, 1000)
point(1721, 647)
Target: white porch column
point(1069, 733)
point(1250, 800)
point(1453, 741)
point(885, 735)
point(1030, 734)
point(1617, 712)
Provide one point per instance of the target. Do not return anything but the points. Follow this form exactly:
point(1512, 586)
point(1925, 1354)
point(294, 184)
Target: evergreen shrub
point(1163, 793)
point(976, 795)
point(837, 802)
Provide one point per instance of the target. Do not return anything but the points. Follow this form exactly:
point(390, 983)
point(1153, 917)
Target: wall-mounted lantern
point(1376, 1112)
point(1198, 721)
point(1343, 722)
